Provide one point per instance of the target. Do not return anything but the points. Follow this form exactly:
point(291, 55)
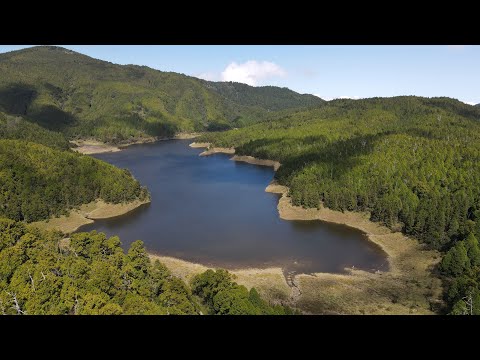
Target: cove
point(215, 211)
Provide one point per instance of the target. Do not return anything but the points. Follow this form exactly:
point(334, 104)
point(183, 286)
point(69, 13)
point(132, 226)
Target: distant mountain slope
point(65, 91)
point(270, 98)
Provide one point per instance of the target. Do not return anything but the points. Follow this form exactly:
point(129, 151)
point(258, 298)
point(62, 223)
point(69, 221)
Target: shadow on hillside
point(52, 118)
point(116, 129)
point(341, 156)
point(15, 99)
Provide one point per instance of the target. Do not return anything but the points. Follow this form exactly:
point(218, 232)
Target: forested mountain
point(41, 273)
point(65, 91)
point(413, 163)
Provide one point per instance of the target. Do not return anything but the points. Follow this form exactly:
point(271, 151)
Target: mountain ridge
point(80, 96)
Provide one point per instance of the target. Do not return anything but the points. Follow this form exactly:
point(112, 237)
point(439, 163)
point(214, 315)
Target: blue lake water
point(215, 211)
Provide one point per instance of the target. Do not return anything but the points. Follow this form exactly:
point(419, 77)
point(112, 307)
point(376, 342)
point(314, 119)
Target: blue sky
point(327, 71)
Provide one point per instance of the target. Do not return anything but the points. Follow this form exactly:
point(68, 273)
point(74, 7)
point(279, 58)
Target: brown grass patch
point(409, 286)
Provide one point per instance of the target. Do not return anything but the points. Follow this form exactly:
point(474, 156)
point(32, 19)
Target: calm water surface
point(216, 212)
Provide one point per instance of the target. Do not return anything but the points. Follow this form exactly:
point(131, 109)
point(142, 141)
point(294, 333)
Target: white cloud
point(337, 97)
point(349, 97)
point(210, 76)
point(323, 97)
point(251, 72)
point(470, 102)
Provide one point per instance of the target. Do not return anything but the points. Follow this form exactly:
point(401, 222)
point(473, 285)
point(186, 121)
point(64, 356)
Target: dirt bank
point(86, 214)
point(255, 161)
point(93, 147)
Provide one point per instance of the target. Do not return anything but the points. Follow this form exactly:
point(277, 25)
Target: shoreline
point(92, 146)
point(214, 150)
point(355, 220)
point(231, 151)
point(87, 214)
point(407, 287)
point(255, 161)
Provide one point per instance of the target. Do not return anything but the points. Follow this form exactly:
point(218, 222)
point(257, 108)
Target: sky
point(346, 71)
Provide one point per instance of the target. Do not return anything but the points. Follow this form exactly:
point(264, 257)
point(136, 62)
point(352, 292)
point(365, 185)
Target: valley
point(301, 205)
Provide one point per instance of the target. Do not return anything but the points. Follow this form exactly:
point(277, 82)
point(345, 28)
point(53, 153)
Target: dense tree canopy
point(42, 274)
point(37, 182)
point(413, 163)
point(223, 296)
point(89, 274)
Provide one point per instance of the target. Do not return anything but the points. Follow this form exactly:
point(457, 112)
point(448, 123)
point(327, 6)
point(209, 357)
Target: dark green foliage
point(80, 96)
point(223, 296)
point(91, 275)
point(473, 251)
point(462, 264)
point(456, 261)
point(469, 304)
point(37, 182)
point(208, 284)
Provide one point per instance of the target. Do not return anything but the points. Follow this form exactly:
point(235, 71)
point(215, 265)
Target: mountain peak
point(46, 48)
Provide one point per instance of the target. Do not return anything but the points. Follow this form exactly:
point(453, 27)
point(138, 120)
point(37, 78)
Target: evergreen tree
point(456, 261)
point(473, 250)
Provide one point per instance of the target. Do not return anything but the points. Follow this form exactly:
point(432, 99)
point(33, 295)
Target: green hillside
point(37, 181)
point(65, 91)
point(413, 163)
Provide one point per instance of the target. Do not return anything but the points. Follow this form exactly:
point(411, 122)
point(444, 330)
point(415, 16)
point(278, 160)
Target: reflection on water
point(216, 212)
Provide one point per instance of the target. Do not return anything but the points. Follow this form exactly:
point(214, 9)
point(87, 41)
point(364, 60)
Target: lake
point(215, 211)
